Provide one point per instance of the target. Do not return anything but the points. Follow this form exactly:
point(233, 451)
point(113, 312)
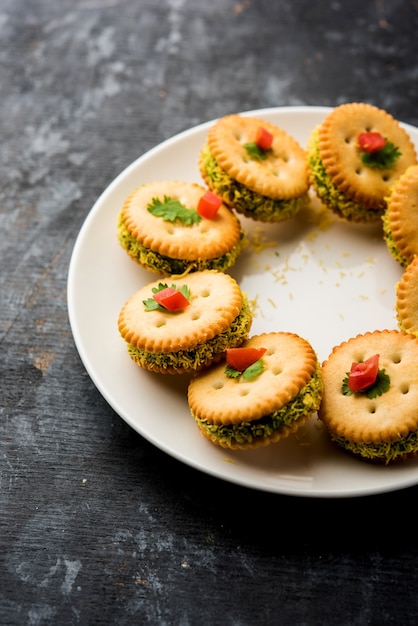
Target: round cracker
point(402, 213)
point(215, 301)
point(282, 175)
point(341, 155)
point(386, 418)
point(289, 364)
point(207, 239)
point(407, 299)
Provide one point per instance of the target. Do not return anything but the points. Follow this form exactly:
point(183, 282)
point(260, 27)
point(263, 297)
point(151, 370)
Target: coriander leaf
point(380, 386)
point(255, 152)
point(184, 290)
point(231, 373)
point(384, 158)
point(253, 370)
point(345, 388)
point(152, 305)
point(172, 210)
point(160, 287)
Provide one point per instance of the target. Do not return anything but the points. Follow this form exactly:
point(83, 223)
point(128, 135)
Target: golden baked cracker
point(215, 301)
point(341, 155)
point(289, 364)
point(386, 418)
point(402, 213)
point(407, 299)
point(207, 239)
point(282, 175)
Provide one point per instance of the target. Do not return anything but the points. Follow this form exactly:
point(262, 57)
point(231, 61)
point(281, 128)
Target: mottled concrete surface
point(97, 525)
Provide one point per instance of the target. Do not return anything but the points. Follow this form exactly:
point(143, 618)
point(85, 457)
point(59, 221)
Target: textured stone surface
point(98, 526)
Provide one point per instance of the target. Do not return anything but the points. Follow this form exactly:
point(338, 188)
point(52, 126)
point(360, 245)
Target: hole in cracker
point(396, 358)
point(169, 229)
point(385, 178)
point(244, 392)
point(196, 315)
point(160, 323)
point(277, 370)
point(218, 385)
point(205, 293)
point(372, 408)
point(404, 388)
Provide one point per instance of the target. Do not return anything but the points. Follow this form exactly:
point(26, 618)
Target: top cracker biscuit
point(208, 239)
point(290, 363)
point(385, 418)
point(341, 156)
point(282, 175)
point(215, 301)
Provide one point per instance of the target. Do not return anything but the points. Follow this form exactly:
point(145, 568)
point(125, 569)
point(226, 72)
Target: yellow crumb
point(312, 236)
point(258, 242)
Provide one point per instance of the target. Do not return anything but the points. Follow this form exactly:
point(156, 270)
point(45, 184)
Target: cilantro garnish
point(255, 152)
point(173, 210)
point(249, 373)
point(152, 305)
point(380, 385)
point(384, 158)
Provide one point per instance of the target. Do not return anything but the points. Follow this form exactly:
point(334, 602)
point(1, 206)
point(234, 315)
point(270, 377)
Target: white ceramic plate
point(321, 278)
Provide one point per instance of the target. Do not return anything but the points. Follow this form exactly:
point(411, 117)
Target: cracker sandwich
point(265, 402)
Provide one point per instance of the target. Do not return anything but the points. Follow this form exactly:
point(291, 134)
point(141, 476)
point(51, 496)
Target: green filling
point(202, 354)
point(244, 200)
point(166, 265)
point(307, 401)
point(392, 247)
point(330, 195)
point(386, 452)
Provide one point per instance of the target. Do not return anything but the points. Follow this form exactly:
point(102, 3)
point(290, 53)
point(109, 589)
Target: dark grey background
point(96, 525)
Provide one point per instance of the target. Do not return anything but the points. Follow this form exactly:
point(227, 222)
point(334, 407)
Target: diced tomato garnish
point(241, 358)
point(209, 205)
point(371, 142)
point(171, 299)
point(362, 375)
point(264, 138)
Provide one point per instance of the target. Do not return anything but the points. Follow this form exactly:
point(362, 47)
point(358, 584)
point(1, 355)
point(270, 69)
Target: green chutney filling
point(168, 265)
point(306, 402)
point(202, 354)
point(383, 451)
point(244, 200)
point(388, 237)
point(331, 196)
